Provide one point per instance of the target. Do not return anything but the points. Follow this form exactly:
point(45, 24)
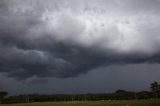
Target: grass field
point(94, 103)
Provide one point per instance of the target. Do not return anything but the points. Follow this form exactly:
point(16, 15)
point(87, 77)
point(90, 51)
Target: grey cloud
point(60, 39)
point(133, 77)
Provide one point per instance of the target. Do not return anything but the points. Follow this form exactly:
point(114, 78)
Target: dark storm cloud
point(60, 39)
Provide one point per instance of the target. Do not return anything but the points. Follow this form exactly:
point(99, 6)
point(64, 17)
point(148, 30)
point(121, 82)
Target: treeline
point(117, 95)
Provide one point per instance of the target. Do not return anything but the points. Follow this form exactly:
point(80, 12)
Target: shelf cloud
point(67, 38)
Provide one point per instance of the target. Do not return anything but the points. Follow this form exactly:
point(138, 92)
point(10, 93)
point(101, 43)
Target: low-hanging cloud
point(68, 38)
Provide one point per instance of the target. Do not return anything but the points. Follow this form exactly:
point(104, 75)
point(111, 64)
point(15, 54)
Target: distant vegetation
point(117, 95)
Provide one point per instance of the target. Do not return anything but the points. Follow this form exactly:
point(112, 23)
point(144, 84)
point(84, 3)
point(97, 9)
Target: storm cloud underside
point(67, 38)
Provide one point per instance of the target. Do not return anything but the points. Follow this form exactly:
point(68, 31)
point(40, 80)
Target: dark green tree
point(155, 89)
point(2, 95)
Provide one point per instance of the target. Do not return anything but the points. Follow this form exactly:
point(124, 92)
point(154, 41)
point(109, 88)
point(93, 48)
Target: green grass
point(94, 103)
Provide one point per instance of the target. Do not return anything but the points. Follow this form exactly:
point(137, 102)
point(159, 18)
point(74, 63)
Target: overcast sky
point(79, 46)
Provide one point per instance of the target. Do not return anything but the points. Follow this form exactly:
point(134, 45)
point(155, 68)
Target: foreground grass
point(94, 103)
